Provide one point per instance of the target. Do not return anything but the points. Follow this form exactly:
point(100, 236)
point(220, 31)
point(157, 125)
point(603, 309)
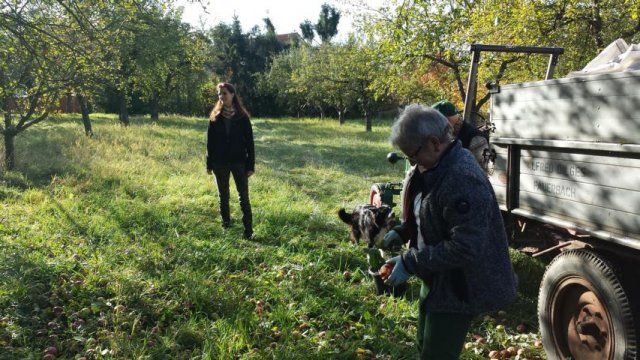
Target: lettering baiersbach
point(555, 189)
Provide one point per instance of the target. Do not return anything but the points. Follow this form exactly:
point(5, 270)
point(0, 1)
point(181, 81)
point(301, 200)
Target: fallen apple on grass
point(385, 270)
point(522, 328)
point(346, 275)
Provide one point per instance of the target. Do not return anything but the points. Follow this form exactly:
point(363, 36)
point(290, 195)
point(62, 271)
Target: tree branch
point(501, 71)
point(34, 121)
point(632, 32)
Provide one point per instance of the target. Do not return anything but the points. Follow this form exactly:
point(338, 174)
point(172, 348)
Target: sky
point(286, 15)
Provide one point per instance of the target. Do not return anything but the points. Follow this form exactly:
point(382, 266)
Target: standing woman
point(230, 150)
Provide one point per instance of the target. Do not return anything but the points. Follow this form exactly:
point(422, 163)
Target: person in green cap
point(471, 138)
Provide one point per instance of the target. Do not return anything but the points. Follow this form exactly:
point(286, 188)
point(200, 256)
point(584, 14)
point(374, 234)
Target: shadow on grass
point(116, 208)
point(39, 157)
point(166, 120)
point(26, 301)
point(296, 145)
point(43, 152)
point(349, 159)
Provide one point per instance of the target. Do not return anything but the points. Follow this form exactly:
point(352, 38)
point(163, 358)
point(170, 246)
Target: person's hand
point(249, 173)
point(390, 240)
point(399, 274)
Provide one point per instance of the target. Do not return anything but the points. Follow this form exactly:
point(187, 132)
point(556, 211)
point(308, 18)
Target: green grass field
point(111, 247)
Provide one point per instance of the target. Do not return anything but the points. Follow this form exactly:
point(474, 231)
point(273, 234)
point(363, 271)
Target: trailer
point(566, 154)
point(564, 157)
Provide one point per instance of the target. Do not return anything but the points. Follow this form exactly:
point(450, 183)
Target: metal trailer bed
point(568, 153)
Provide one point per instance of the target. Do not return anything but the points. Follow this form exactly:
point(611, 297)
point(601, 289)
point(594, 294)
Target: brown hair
point(237, 102)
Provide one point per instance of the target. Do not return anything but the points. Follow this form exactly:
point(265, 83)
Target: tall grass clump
point(112, 248)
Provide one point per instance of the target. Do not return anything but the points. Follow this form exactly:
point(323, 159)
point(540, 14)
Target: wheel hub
point(590, 326)
point(583, 329)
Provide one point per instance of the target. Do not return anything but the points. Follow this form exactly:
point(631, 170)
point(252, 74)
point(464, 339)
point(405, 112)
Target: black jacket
point(234, 148)
point(468, 132)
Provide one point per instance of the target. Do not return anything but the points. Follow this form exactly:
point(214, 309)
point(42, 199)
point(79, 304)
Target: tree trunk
point(86, 121)
point(179, 103)
point(155, 107)
point(124, 112)
point(9, 151)
point(10, 133)
point(69, 103)
point(367, 121)
point(341, 117)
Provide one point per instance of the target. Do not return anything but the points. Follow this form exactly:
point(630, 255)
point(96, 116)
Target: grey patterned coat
point(465, 256)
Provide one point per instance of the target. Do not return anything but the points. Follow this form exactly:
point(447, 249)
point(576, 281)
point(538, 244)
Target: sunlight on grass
point(111, 247)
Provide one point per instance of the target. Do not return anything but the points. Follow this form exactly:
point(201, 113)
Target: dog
point(368, 222)
point(371, 223)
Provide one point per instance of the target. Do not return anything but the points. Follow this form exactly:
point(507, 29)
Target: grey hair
point(417, 122)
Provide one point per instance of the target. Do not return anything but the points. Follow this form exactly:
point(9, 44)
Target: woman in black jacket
point(230, 150)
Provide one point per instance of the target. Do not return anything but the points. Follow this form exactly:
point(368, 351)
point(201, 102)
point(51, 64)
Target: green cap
point(446, 108)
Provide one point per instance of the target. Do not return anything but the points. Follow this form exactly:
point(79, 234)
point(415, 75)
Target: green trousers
point(440, 335)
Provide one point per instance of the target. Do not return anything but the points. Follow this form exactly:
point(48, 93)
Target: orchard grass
point(111, 247)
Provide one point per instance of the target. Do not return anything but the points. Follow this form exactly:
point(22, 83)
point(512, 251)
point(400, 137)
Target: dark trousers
point(242, 185)
point(440, 335)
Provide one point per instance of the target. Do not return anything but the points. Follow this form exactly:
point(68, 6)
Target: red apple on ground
point(385, 270)
point(521, 328)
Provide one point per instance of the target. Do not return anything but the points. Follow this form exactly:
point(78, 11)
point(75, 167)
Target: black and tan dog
point(368, 222)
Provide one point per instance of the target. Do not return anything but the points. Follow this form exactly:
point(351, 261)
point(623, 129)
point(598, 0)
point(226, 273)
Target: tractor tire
point(584, 311)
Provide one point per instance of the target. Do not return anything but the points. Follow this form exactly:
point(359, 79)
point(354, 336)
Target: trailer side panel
point(576, 146)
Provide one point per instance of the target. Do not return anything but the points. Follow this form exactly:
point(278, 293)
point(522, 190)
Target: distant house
point(20, 101)
point(289, 38)
point(69, 104)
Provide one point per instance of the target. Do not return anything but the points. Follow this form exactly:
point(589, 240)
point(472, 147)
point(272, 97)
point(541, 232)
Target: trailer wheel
point(375, 196)
point(584, 311)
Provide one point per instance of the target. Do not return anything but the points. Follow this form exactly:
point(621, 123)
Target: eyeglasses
point(413, 156)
